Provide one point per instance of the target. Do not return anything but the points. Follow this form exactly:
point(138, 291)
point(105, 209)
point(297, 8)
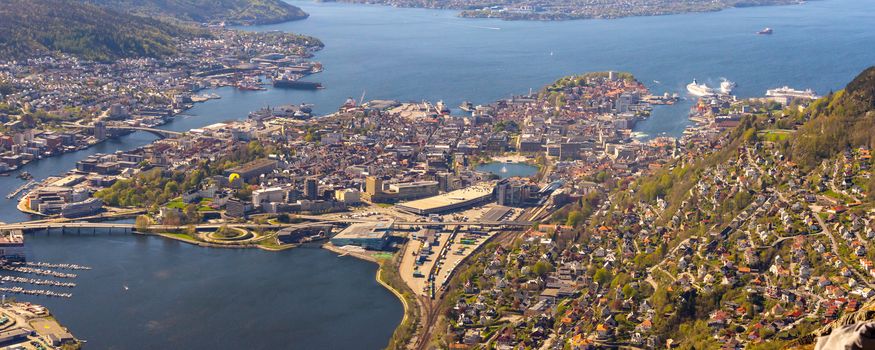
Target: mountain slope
point(837, 121)
point(34, 27)
point(231, 11)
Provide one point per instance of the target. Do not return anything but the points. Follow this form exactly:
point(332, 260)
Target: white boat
point(787, 91)
point(700, 90)
point(726, 87)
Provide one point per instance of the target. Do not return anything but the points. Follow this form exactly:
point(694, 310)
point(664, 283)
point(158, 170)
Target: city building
point(12, 245)
point(311, 188)
point(370, 235)
point(449, 201)
point(348, 196)
point(268, 195)
point(253, 169)
point(87, 207)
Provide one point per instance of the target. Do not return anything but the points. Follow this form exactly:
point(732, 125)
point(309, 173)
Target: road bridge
point(54, 225)
point(482, 223)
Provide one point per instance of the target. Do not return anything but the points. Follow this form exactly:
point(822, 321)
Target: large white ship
point(726, 87)
point(787, 91)
point(697, 89)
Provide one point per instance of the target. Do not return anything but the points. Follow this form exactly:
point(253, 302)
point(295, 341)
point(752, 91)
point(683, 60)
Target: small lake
point(506, 170)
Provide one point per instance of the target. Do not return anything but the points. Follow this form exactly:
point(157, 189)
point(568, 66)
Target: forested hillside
point(836, 122)
point(231, 11)
point(33, 27)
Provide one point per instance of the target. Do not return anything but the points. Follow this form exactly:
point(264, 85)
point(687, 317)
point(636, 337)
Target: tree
point(602, 276)
point(629, 292)
point(192, 216)
point(575, 219)
point(542, 268)
point(142, 223)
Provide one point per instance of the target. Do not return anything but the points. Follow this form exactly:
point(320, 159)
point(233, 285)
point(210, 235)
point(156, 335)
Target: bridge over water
point(49, 225)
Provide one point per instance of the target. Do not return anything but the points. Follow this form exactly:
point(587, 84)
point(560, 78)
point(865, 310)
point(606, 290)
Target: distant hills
point(34, 27)
point(104, 30)
point(229, 11)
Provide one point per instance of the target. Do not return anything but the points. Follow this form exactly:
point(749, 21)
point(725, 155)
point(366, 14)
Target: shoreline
point(379, 278)
point(471, 13)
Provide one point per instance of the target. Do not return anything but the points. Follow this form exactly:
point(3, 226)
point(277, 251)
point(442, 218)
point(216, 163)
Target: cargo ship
point(292, 81)
point(765, 31)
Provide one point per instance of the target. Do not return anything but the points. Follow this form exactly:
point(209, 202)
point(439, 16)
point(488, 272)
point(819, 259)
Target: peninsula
point(569, 10)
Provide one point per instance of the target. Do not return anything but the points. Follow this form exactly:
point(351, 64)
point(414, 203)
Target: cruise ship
point(700, 90)
point(726, 87)
point(787, 91)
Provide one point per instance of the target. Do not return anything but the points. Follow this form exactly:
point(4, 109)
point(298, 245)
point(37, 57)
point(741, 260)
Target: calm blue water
point(181, 296)
point(414, 54)
point(506, 170)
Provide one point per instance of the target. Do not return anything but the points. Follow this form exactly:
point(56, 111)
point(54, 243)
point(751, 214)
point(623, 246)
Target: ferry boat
point(787, 91)
point(726, 87)
point(700, 90)
point(765, 31)
point(467, 106)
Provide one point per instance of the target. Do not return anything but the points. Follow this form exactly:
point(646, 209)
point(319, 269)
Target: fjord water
point(153, 293)
point(415, 54)
point(181, 296)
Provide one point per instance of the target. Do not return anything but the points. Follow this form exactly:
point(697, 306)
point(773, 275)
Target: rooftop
point(453, 198)
point(365, 230)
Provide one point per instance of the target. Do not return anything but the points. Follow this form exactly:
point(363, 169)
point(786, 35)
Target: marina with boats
point(40, 269)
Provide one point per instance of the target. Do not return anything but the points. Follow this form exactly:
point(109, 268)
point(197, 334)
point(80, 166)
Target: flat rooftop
point(414, 184)
point(449, 199)
point(365, 230)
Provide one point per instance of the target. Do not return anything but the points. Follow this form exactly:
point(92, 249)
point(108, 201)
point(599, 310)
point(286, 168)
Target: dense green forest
point(231, 11)
point(32, 27)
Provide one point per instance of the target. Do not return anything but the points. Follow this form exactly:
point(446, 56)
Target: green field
point(775, 135)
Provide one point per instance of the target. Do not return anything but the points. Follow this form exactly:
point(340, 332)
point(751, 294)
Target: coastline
point(509, 13)
point(381, 266)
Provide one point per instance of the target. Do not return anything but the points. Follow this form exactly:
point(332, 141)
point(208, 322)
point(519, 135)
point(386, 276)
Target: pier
point(21, 189)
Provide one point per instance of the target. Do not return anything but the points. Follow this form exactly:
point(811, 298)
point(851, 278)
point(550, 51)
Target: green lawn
point(775, 135)
point(182, 236)
point(836, 195)
point(176, 203)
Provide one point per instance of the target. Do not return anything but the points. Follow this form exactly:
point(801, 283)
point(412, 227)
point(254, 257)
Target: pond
point(506, 170)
